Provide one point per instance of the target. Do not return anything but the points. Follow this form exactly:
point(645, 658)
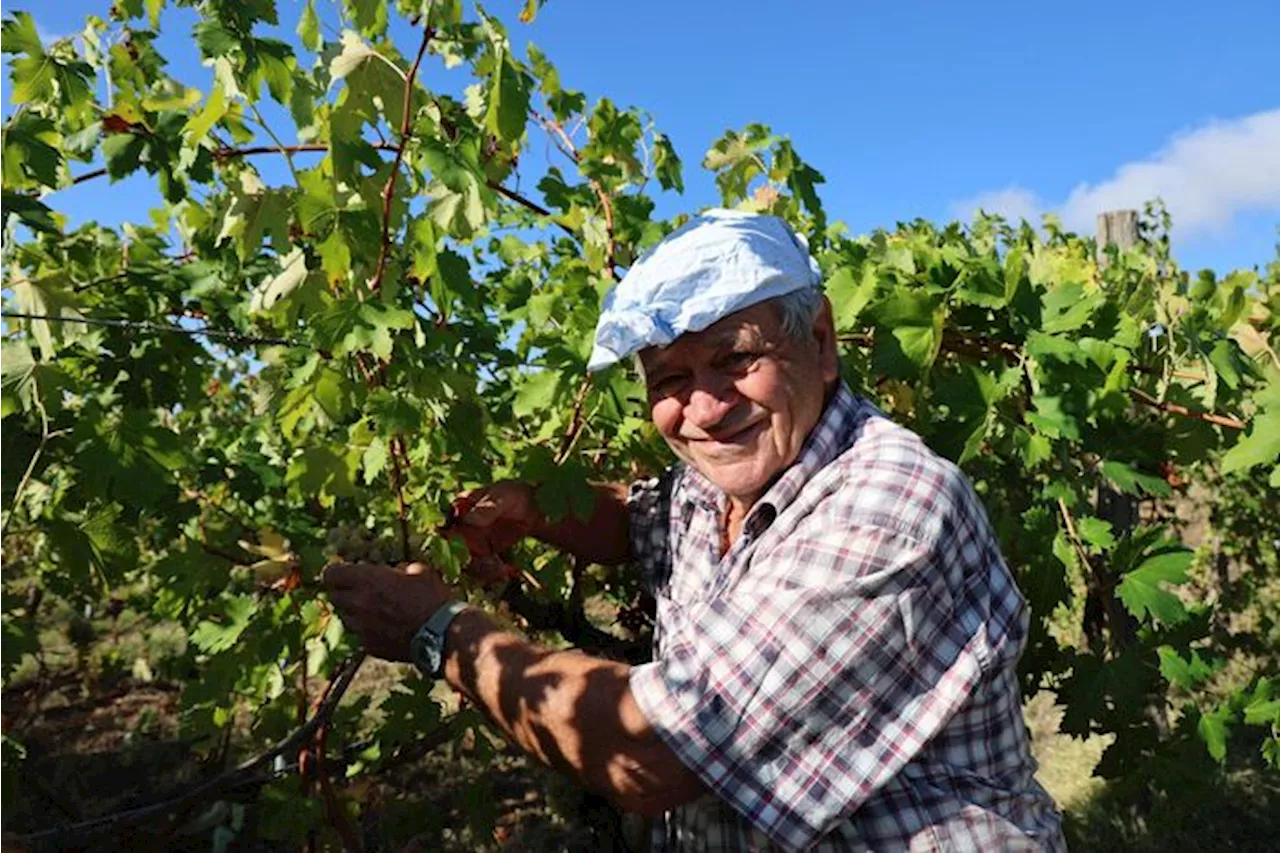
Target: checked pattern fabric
point(843, 677)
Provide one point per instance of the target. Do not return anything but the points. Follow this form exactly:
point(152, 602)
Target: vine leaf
point(48, 297)
point(1184, 672)
point(508, 97)
point(850, 293)
point(214, 637)
point(1214, 729)
point(309, 27)
point(32, 213)
point(1261, 444)
point(293, 272)
point(1142, 594)
point(1131, 481)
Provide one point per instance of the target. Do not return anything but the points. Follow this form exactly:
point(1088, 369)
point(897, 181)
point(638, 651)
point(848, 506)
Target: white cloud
point(1206, 177)
point(1013, 203)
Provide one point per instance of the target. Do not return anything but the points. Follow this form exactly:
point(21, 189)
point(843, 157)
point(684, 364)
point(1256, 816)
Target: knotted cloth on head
point(717, 263)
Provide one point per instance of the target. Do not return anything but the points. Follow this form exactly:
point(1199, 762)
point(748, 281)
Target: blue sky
point(910, 108)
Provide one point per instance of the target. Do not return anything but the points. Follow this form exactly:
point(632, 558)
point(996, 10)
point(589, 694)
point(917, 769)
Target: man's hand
point(385, 606)
point(490, 521)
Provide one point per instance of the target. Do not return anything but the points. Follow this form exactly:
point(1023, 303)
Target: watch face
point(425, 652)
point(431, 655)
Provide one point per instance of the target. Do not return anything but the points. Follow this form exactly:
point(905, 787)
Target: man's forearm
point(571, 711)
point(601, 539)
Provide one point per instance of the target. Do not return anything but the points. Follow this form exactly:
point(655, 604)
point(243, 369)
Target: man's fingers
point(340, 576)
point(483, 511)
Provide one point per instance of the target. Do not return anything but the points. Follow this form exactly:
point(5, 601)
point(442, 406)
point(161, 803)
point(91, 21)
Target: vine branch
point(1176, 409)
point(31, 466)
point(606, 204)
point(148, 326)
point(238, 775)
point(1067, 521)
point(983, 347)
point(388, 191)
point(576, 422)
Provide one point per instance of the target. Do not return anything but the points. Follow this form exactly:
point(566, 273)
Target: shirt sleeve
point(649, 526)
point(795, 703)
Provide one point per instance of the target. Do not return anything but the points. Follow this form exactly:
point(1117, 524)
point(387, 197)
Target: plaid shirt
point(843, 677)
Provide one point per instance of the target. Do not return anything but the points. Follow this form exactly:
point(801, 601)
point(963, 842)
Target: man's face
point(737, 400)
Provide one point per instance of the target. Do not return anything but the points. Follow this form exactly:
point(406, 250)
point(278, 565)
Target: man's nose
point(708, 406)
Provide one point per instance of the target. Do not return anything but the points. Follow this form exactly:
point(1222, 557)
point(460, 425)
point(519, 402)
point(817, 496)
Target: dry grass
point(1066, 762)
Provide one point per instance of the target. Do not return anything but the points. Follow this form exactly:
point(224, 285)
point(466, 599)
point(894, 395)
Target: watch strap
point(439, 621)
point(427, 648)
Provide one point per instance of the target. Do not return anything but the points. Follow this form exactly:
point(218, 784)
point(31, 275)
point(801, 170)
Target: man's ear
point(824, 332)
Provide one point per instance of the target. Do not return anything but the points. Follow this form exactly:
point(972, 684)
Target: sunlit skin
point(737, 400)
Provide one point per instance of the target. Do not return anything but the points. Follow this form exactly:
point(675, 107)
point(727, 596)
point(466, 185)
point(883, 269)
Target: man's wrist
point(426, 649)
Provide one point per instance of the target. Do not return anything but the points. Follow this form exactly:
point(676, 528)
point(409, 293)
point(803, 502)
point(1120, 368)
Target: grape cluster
point(634, 619)
point(355, 543)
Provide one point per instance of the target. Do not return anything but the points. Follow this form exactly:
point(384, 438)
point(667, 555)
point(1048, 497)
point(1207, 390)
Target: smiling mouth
point(737, 435)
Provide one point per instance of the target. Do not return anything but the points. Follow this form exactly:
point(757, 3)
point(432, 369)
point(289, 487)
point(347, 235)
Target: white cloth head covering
point(719, 262)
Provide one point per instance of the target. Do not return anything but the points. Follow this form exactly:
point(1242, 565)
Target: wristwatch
point(426, 650)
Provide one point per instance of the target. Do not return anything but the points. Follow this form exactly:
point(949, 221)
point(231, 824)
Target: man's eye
point(666, 385)
point(738, 360)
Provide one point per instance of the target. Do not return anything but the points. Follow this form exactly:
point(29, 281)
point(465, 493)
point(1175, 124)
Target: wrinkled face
point(737, 400)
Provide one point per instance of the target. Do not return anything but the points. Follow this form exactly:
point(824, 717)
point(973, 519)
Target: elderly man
point(837, 633)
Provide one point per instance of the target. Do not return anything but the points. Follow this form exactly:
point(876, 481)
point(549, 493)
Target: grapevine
point(370, 285)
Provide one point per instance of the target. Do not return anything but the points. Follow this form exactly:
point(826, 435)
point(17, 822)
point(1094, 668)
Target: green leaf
point(374, 459)
point(154, 7)
point(17, 366)
point(32, 213)
point(214, 637)
point(32, 78)
point(1096, 532)
point(666, 164)
point(19, 34)
point(47, 297)
point(736, 158)
point(317, 393)
point(1068, 307)
point(1050, 418)
point(123, 153)
point(93, 547)
point(908, 333)
point(30, 152)
point(1033, 447)
point(254, 212)
point(309, 27)
point(850, 293)
point(536, 393)
point(1131, 481)
point(1141, 589)
point(1262, 710)
point(215, 40)
point(422, 248)
point(1259, 446)
point(215, 108)
point(1214, 729)
point(1180, 671)
point(458, 192)
point(323, 474)
point(508, 107)
point(369, 16)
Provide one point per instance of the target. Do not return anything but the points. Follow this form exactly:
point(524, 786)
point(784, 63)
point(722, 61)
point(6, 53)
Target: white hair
point(798, 310)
